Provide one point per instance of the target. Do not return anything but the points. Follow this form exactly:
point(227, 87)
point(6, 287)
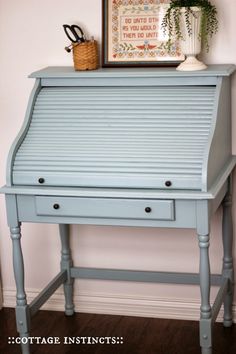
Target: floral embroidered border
point(133, 33)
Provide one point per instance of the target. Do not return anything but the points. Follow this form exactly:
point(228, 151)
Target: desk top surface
point(69, 72)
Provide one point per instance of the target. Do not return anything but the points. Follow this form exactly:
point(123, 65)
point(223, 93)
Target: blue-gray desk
point(131, 147)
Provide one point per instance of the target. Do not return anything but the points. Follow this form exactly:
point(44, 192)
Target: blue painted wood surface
point(154, 136)
point(98, 148)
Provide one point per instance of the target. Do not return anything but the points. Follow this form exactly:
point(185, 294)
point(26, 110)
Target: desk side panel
point(22, 133)
point(220, 143)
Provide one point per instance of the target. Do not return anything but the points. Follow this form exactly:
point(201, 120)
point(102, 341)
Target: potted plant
point(193, 23)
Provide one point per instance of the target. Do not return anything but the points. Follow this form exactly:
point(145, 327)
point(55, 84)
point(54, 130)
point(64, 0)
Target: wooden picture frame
point(132, 34)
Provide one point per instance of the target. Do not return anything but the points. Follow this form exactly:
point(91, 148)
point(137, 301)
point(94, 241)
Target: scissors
point(74, 33)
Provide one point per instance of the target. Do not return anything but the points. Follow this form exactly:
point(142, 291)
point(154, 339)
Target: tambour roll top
point(125, 128)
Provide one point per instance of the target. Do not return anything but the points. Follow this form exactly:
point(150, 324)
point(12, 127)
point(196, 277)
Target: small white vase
point(191, 44)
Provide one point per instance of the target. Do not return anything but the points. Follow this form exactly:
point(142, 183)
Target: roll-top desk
point(131, 147)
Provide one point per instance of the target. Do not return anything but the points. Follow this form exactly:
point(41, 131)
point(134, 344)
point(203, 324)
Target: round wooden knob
point(148, 210)
point(56, 206)
point(41, 180)
point(168, 183)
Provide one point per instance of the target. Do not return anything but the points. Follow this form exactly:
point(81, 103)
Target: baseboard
point(120, 305)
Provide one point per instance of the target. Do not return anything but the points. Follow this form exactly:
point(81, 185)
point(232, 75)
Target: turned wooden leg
point(66, 263)
point(205, 277)
point(227, 271)
point(205, 319)
point(22, 309)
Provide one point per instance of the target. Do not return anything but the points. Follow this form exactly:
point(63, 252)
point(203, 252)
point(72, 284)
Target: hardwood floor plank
point(140, 335)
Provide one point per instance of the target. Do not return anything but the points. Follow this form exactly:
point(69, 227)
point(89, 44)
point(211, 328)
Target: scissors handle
point(74, 33)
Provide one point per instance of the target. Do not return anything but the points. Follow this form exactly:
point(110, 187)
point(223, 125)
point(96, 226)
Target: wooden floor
point(140, 335)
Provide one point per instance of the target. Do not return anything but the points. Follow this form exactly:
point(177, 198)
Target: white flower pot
point(191, 44)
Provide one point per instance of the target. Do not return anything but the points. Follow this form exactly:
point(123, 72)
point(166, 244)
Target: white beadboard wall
point(31, 37)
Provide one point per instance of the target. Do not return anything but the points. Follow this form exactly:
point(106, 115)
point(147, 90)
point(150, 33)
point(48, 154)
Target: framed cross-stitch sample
point(133, 35)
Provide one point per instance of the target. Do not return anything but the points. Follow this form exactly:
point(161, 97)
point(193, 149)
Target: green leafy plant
point(171, 21)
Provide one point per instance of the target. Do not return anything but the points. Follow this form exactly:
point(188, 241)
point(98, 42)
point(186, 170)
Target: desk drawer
point(105, 208)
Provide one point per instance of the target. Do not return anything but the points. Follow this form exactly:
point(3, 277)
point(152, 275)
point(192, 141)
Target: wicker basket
point(85, 55)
